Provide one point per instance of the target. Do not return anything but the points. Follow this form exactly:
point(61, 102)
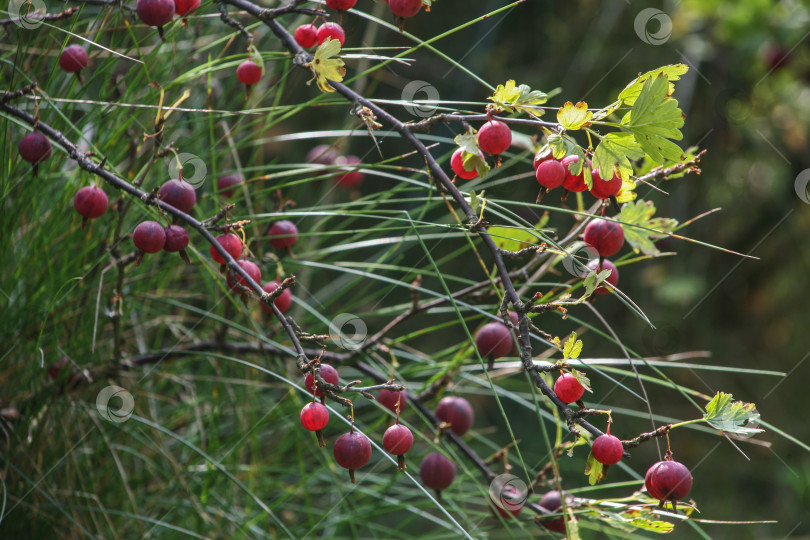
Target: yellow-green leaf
point(509, 97)
point(511, 238)
point(572, 116)
point(573, 347)
point(594, 470)
point(672, 72)
point(326, 65)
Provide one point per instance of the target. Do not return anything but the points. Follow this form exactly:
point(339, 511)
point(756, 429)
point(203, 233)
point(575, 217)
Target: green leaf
point(593, 280)
point(511, 238)
point(732, 416)
point(658, 526)
point(672, 73)
point(654, 119)
point(583, 380)
point(641, 213)
point(521, 98)
point(471, 156)
point(473, 201)
point(562, 146)
point(572, 116)
point(594, 470)
point(615, 153)
point(573, 347)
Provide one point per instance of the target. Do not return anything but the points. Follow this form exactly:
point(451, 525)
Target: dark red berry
point(494, 137)
point(552, 502)
point(328, 373)
point(314, 416)
point(605, 189)
point(607, 237)
point(353, 177)
point(179, 194)
point(550, 174)
point(573, 182)
point(607, 449)
point(283, 234)
point(149, 236)
point(155, 12)
point(283, 302)
point(249, 72)
point(457, 412)
point(437, 472)
point(541, 156)
point(322, 154)
point(775, 56)
point(331, 30)
point(58, 367)
point(668, 481)
point(176, 239)
point(568, 388)
point(306, 35)
point(226, 184)
point(508, 503)
point(34, 147)
point(252, 270)
point(181, 7)
point(405, 8)
point(389, 398)
point(91, 202)
point(494, 340)
point(341, 5)
point(352, 451)
point(231, 243)
point(612, 279)
point(397, 439)
point(457, 164)
point(73, 58)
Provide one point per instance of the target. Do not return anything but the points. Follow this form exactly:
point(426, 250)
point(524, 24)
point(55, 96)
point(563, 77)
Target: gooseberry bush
point(418, 292)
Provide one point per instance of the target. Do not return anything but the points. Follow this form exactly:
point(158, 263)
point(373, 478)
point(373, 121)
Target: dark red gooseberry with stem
point(341, 5)
point(331, 30)
point(179, 194)
point(226, 185)
point(542, 155)
point(90, 202)
point(149, 237)
point(283, 302)
point(494, 340)
point(405, 8)
point(605, 189)
point(73, 58)
point(352, 177)
point(237, 283)
point(607, 449)
point(607, 237)
point(176, 239)
point(352, 451)
point(231, 243)
point(155, 12)
point(328, 373)
point(573, 182)
point(183, 7)
point(457, 164)
point(552, 502)
point(568, 388)
point(494, 137)
point(283, 234)
point(508, 503)
point(397, 440)
point(550, 174)
point(306, 35)
point(437, 472)
point(668, 481)
point(322, 154)
point(389, 399)
point(34, 148)
point(457, 412)
point(249, 73)
point(612, 279)
point(315, 417)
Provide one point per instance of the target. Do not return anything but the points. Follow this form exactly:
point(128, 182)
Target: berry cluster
point(552, 173)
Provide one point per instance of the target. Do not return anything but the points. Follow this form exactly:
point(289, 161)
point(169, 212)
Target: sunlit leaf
point(731, 416)
point(641, 239)
point(574, 117)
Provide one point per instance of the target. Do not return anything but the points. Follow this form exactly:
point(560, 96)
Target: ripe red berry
point(607, 237)
point(494, 340)
point(249, 72)
point(90, 202)
point(541, 156)
point(494, 137)
point(34, 147)
point(283, 302)
point(181, 7)
point(668, 481)
point(73, 58)
point(405, 8)
point(552, 502)
point(176, 239)
point(352, 451)
point(306, 35)
point(155, 12)
point(605, 189)
point(331, 30)
point(252, 270)
point(550, 174)
point(353, 177)
point(322, 154)
point(612, 279)
point(398, 440)
point(179, 194)
point(437, 472)
point(508, 503)
point(283, 234)
point(328, 373)
point(389, 398)
point(341, 5)
point(149, 237)
point(457, 412)
point(226, 184)
point(568, 388)
point(607, 449)
point(231, 243)
point(315, 417)
point(573, 182)
point(457, 164)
